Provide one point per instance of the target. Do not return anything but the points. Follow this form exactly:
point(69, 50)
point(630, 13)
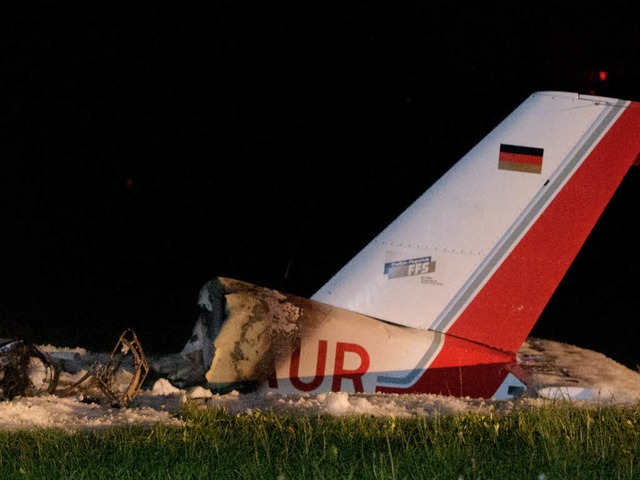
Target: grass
point(558, 441)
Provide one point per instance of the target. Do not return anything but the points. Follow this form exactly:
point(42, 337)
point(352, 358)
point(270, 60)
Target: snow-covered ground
point(558, 370)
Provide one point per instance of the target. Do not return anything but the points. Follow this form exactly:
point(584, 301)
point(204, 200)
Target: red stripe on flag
point(520, 158)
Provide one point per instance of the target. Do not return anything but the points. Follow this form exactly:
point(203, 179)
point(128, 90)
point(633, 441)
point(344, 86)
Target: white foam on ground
point(594, 378)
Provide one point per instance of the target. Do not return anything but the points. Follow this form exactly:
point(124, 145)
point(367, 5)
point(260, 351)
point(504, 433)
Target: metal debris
point(25, 370)
point(119, 380)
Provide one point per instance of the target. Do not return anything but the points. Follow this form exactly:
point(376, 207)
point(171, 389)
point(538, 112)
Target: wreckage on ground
point(442, 299)
point(27, 370)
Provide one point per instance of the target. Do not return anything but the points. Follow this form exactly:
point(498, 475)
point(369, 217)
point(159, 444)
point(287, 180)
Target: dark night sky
point(146, 150)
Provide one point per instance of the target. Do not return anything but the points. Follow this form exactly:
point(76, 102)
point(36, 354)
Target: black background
point(146, 149)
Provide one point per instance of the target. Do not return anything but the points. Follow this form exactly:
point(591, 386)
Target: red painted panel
point(462, 369)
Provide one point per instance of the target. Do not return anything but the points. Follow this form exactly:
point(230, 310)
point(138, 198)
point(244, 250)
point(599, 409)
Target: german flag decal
point(520, 159)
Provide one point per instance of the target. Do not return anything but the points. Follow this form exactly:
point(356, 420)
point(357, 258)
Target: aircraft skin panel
point(337, 355)
point(431, 261)
point(287, 344)
point(352, 353)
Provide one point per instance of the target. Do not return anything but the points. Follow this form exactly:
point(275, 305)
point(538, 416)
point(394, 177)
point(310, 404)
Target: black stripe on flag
point(520, 150)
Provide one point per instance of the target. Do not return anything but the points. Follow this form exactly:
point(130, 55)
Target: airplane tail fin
point(481, 252)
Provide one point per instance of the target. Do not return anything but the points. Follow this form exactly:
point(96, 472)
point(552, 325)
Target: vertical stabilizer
point(480, 253)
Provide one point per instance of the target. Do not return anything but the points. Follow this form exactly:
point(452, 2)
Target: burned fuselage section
point(250, 338)
point(242, 333)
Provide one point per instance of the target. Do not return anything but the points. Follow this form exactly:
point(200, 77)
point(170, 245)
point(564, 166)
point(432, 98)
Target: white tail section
point(480, 253)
